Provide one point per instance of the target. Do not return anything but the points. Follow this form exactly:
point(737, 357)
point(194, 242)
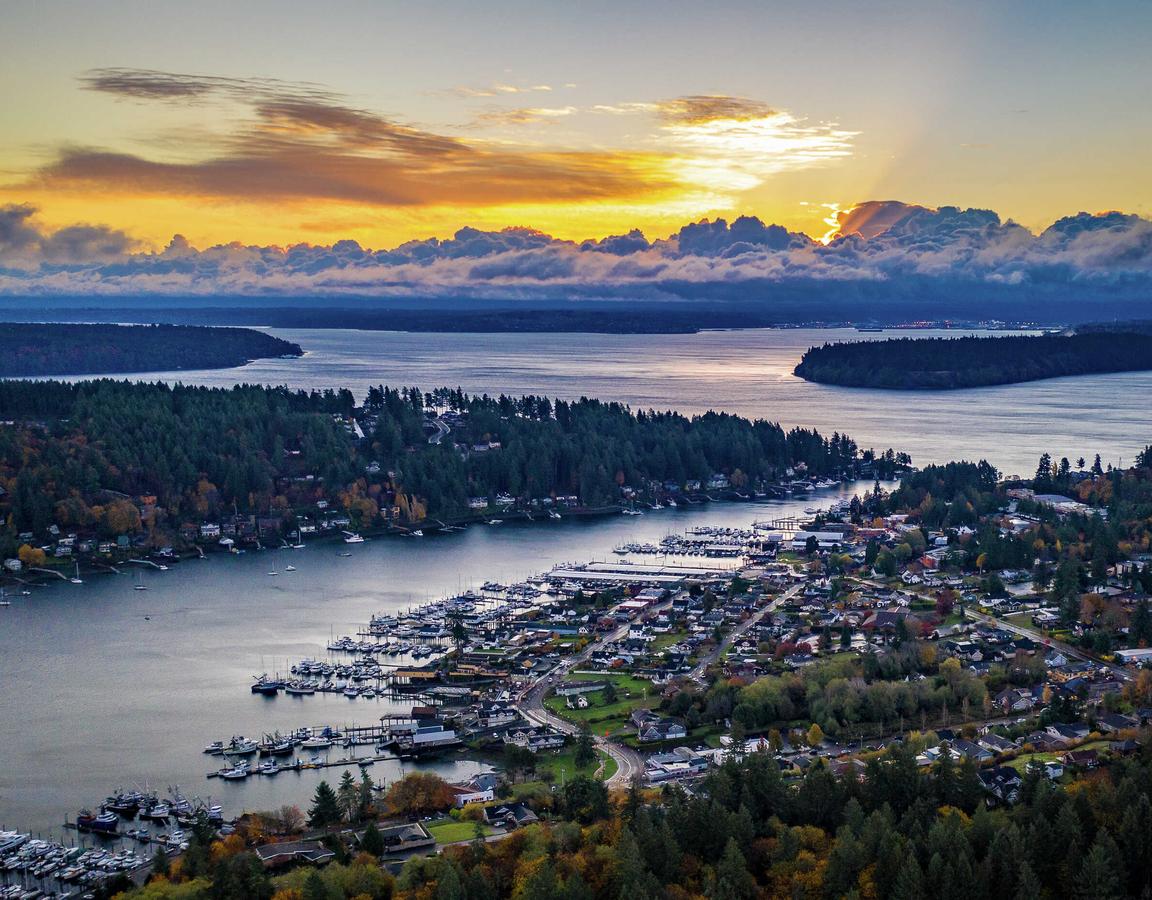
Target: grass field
point(631, 693)
point(450, 831)
point(562, 767)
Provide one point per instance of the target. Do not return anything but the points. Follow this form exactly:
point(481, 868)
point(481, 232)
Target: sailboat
point(139, 585)
point(76, 579)
point(289, 568)
point(4, 601)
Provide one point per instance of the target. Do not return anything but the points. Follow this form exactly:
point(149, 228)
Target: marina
point(176, 661)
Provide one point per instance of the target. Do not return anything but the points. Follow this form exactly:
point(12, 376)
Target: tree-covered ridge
point(885, 829)
point(101, 454)
point(965, 362)
point(59, 349)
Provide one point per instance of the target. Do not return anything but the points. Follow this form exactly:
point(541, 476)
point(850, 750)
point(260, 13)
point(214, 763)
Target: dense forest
point(57, 349)
point(100, 454)
point(887, 830)
point(965, 362)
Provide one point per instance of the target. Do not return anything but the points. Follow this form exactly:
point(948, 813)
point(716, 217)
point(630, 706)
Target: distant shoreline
point(958, 363)
point(624, 319)
point(35, 350)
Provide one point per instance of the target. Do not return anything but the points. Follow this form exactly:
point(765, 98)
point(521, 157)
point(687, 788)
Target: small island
point(967, 362)
point(41, 349)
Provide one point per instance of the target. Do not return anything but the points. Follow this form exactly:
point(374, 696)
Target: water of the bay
point(103, 686)
point(745, 372)
point(95, 696)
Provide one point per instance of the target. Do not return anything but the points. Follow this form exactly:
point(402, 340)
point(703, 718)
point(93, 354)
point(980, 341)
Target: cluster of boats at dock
point(147, 806)
point(31, 867)
point(708, 541)
point(399, 739)
point(278, 752)
point(34, 868)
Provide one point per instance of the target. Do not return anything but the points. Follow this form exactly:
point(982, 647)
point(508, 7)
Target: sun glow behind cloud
point(735, 155)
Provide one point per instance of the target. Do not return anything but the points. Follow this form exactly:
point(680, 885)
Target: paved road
point(1067, 649)
point(629, 763)
point(736, 633)
point(441, 432)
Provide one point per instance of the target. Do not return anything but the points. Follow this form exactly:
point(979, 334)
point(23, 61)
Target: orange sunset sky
point(277, 123)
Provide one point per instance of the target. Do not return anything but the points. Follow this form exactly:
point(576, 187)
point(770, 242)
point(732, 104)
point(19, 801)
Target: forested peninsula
point(966, 362)
point(111, 458)
point(37, 349)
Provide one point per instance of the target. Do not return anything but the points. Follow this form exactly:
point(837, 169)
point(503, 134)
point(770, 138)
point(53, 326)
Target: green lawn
point(450, 831)
point(631, 693)
point(1021, 762)
point(664, 641)
point(563, 768)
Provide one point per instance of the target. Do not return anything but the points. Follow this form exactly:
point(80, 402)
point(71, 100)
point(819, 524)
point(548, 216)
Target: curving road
point(629, 763)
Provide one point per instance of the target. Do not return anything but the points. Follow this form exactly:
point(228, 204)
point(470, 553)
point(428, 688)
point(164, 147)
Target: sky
point(285, 123)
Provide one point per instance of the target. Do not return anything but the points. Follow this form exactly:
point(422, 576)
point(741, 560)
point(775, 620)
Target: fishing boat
point(159, 812)
point(269, 687)
point(126, 805)
point(242, 747)
point(104, 822)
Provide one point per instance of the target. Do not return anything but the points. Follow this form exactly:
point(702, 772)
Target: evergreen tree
point(733, 880)
point(1101, 875)
point(585, 753)
point(910, 882)
point(325, 809)
point(348, 796)
point(372, 841)
point(160, 864)
point(314, 888)
point(1027, 884)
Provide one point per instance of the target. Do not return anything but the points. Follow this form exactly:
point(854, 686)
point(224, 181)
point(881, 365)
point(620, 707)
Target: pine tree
point(585, 747)
point(160, 864)
point(733, 880)
point(910, 882)
point(325, 809)
point(1101, 875)
point(314, 888)
point(348, 796)
point(371, 841)
point(1027, 884)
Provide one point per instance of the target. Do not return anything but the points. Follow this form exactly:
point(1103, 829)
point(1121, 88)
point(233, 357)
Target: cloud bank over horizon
point(885, 243)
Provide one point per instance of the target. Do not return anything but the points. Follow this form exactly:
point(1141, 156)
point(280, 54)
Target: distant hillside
point(55, 349)
point(965, 362)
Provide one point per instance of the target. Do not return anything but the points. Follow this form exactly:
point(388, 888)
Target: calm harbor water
point(95, 696)
point(746, 372)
